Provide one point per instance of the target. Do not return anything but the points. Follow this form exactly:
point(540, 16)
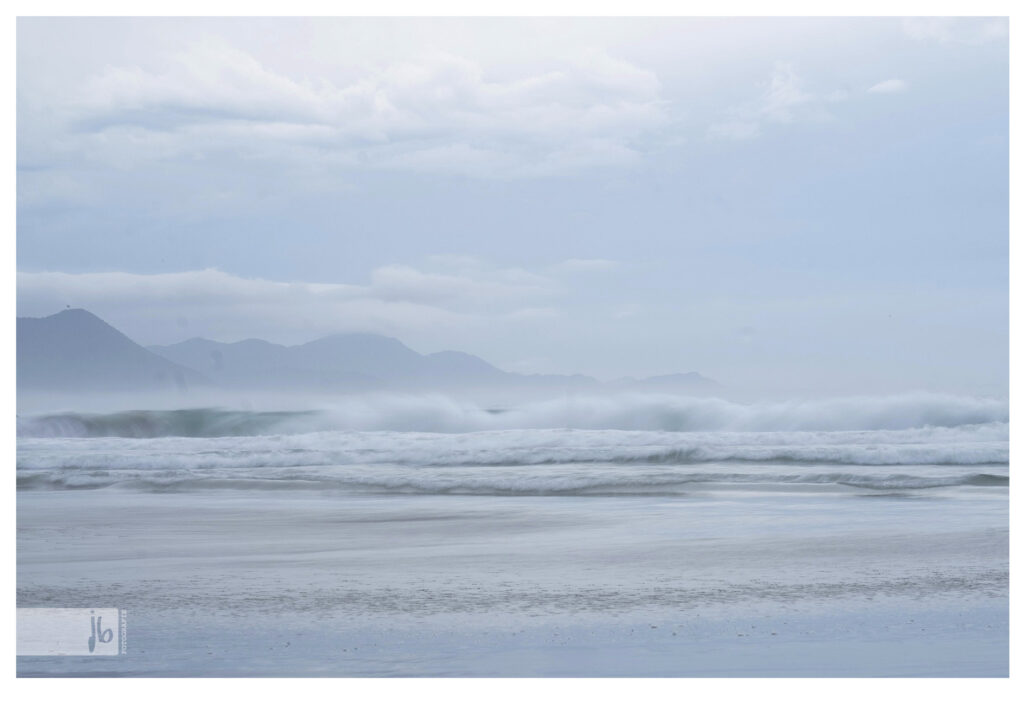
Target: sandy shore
point(735, 584)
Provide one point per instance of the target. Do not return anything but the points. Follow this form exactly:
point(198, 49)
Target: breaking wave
point(962, 445)
point(638, 445)
point(191, 423)
point(433, 413)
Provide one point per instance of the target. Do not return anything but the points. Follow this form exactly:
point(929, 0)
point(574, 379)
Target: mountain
point(690, 383)
point(363, 361)
point(75, 351)
point(349, 361)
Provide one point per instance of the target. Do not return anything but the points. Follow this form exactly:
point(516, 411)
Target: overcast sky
point(811, 205)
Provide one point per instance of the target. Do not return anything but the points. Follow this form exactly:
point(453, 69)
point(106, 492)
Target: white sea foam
point(902, 442)
point(963, 445)
point(437, 413)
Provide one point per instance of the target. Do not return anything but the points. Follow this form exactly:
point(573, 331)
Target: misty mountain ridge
point(689, 382)
point(75, 350)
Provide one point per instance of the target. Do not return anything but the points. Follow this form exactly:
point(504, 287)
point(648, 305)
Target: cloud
point(587, 265)
point(784, 95)
point(440, 113)
point(783, 99)
point(534, 314)
point(398, 300)
point(735, 129)
point(405, 283)
point(893, 85)
point(957, 30)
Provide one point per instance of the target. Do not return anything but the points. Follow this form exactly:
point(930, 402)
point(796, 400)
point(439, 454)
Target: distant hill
point(349, 361)
point(75, 351)
point(363, 361)
point(690, 383)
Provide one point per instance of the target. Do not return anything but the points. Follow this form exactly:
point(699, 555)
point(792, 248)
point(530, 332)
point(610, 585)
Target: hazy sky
point(779, 204)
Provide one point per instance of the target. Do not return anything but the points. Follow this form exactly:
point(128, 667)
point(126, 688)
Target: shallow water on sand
point(717, 577)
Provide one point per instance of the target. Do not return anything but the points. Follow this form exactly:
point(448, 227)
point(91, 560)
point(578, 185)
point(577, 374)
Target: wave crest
point(962, 445)
point(434, 413)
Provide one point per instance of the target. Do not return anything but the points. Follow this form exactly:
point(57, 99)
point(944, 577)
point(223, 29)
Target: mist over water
point(438, 444)
point(446, 414)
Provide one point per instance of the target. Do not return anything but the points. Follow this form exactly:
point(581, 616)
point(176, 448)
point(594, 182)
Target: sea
point(618, 536)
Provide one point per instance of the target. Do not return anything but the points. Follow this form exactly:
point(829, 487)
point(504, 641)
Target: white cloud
point(783, 99)
point(164, 308)
point(405, 283)
point(839, 95)
point(735, 129)
point(893, 85)
point(957, 30)
point(585, 265)
point(439, 113)
point(784, 95)
point(534, 314)
point(398, 300)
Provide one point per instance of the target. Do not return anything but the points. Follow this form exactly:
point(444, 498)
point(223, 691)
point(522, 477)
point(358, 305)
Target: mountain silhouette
point(76, 351)
point(347, 361)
